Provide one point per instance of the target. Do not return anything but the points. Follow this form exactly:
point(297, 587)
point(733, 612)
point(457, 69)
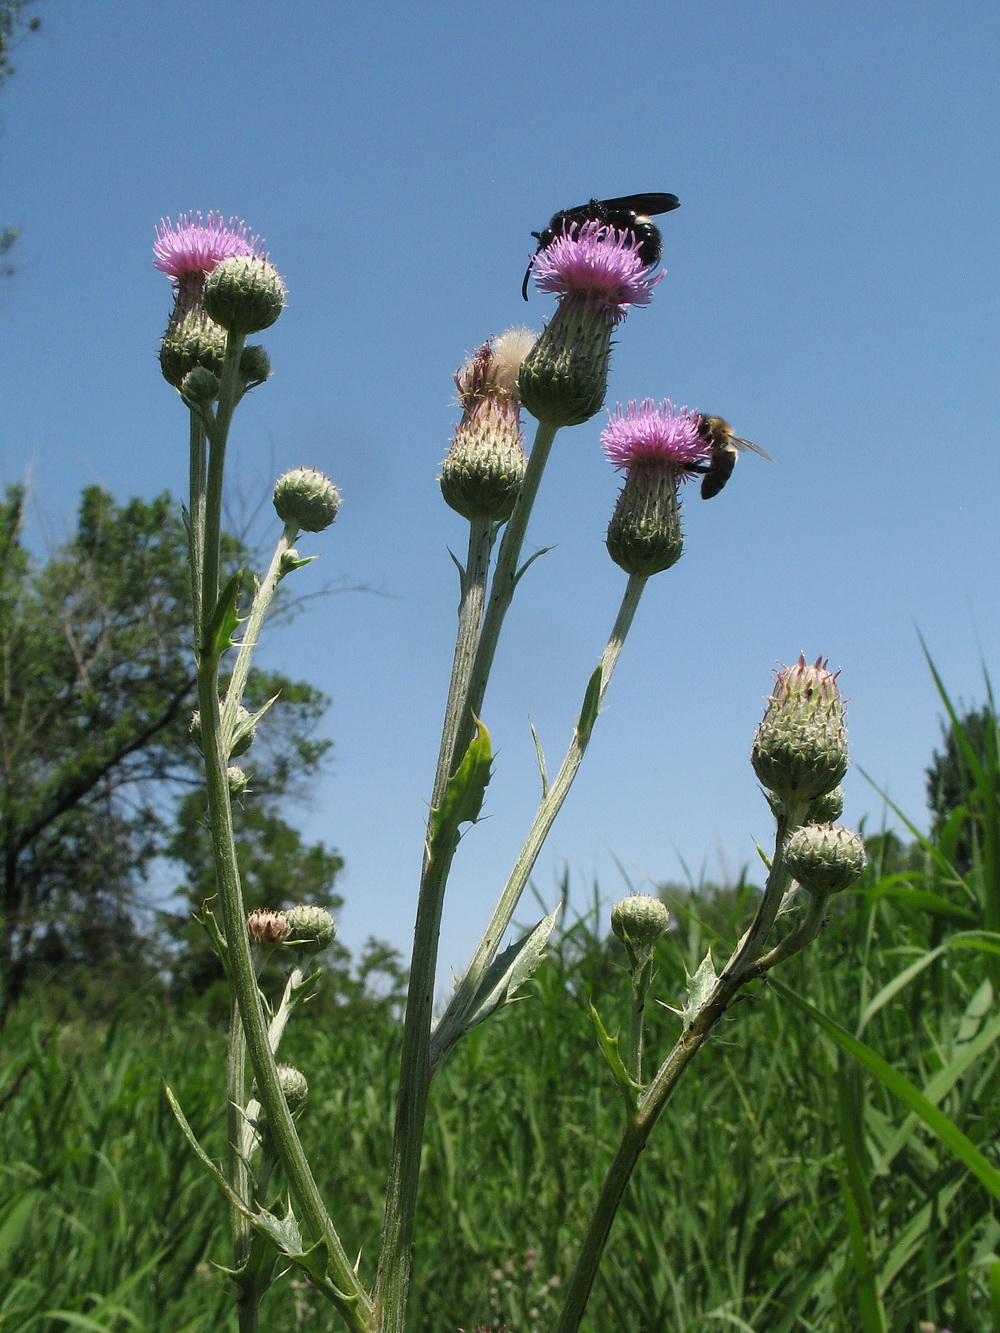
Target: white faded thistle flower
point(597, 273)
point(482, 474)
point(825, 858)
point(312, 927)
point(800, 750)
point(244, 294)
point(639, 921)
point(307, 499)
point(656, 447)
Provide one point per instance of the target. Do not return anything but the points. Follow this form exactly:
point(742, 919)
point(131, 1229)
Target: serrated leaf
point(222, 626)
point(510, 970)
point(699, 989)
point(287, 566)
point(213, 930)
point(464, 795)
point(591, 707)
point(627, 1086)
point(540, 758)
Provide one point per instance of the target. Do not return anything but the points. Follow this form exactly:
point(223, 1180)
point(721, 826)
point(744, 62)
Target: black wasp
point(633, 213)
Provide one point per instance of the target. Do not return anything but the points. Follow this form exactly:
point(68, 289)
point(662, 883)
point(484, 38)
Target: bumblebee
point(725, 448)
point(631, 213)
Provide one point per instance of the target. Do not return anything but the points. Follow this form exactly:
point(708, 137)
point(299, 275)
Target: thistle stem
point(474, 651)
point(450, 1027)
point(745, 965)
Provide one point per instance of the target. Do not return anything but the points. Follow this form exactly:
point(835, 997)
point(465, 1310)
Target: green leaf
point(936, 1121)
point(510, 970)
point(591, 707)
point(463, 798)
point(627, 1086)
point(224, 622)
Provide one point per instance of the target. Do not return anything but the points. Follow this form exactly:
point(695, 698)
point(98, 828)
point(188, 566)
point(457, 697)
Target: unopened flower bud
point(825, 809)
point(482, 474)
point(244, 294)
point(199, 386)
point(825, 858)
point(306, 499)
point(237, 779)
point(191, 340)
point(312, 927)
point(293, 1085)
point(243, 732)
point(800, 750)
point(255, 365)
point(266, 928)
point(639, 921)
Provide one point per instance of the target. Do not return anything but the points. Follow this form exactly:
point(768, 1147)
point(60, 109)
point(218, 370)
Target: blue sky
point(831, 289)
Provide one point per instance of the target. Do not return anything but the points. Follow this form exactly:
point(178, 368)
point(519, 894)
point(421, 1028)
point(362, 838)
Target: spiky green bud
point(255, 365)
point(293, 1085)
point(645, 535)
point(800, 750)
point(306, 499)
point(243, 731)
point(825, 809)
point(564, 378)
point(244, 294)
point(200, 386)
point(312, 927)
point(191, 340)
point(825, 858)
point(482, 474)
point(639, 921)
point(237, 779)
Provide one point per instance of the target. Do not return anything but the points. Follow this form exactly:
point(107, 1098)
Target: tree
point(951, 786)
point(15, 22)
point(96, 690)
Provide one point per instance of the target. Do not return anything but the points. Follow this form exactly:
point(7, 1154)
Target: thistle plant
point(226, 290)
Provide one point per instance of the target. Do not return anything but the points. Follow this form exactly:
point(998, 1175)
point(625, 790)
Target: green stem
point(354, 1303)
point(475, 648)
point(450, 1027)
point(745, 965)
point(641, 978)
point(196, 519)
point(248, 644)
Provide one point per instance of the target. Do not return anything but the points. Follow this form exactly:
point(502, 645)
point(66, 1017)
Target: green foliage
point(96, 692)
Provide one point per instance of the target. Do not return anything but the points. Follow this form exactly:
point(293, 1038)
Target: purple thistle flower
point(599, 264)
point(651, 434)
point(192, 248)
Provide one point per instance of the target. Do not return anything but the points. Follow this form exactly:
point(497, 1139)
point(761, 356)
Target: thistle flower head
point(312, 927)
point(191, 248)
point(800, 749)
point(661, 435)
point(482, 474)
point(825, 858)
point(306, 499)
point(639, 921)
point(597, 264)
point(267, 928)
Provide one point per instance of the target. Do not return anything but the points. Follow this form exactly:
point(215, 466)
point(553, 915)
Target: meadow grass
point(785, 1188)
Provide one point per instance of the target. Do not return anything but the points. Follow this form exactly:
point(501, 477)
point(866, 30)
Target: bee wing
point(748, 444)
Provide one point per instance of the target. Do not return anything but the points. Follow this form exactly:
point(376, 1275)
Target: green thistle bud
point(244, 294)
point(564, 377)
point(191, 340)
point(482, 474)
point(639, 921)
point(243, 732)
point(825, 858)
point(312, 927)
point(293, 1085)
point(306, 499)
point(266, 929)
point(645, 535)
point(800, 750)
point(825, 809)
point(237, 779)
point(255, 366)
point(200, 386)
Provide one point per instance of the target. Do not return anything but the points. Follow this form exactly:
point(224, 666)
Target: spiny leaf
point(463, 798)
point(627, 1086)
point(222, 626)
point(591, 706)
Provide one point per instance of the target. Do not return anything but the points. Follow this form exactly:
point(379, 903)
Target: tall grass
point(785, 1189)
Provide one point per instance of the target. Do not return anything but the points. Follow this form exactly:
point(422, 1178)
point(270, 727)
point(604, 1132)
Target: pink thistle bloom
point(647, 433)
point(597, 263)
point(192, 248)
